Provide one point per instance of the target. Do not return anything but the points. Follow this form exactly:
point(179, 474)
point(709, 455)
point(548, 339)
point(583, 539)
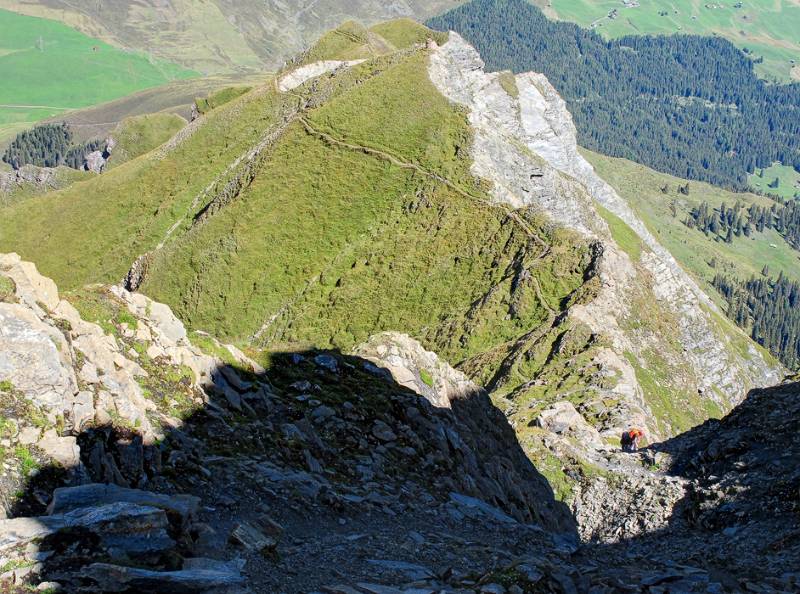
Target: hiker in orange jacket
point(630, 439)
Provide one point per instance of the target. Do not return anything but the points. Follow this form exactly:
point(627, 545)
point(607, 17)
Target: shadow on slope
point(320, 435)
point(746, 471)
point(738, 523)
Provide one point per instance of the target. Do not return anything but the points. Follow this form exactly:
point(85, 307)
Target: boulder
point(34, 357)
point(415, 368)
point(563, 419)
point(124, 530)
point(252, 538)
point(115, 578)
point(63, 450)
point(94, 162)
point(67, 499)
point(82, 411)
point(31, 287)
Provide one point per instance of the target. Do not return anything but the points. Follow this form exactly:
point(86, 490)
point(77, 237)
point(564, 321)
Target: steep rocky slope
point(368, 189)
point(123, 397)
point(181, 469)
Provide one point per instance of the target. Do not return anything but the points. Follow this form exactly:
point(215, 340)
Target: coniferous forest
point(770, 309)
point(48, 145)
point(735, 221)
point(690, 106)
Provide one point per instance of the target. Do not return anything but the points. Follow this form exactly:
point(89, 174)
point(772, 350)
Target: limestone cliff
point(664, 335)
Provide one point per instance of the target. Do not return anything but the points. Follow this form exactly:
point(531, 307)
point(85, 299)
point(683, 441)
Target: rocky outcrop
point(28, 175)
point(744, 481)
point(61, 375)
point(415, 368)
point(525, 145)
point(477, 434)
point(300, 75)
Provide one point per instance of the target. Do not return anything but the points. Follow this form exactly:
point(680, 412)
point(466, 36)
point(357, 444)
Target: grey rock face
point(415, 368)
point(95, 162)
point(127, 529)
point(300, 75)
point(526, 147)
point(67, 499)
point(32, 359)
point(472, 432)
point(115, 578)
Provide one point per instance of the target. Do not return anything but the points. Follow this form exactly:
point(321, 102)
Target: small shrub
point(28, 463)
point(426, 377)
point(7, 290)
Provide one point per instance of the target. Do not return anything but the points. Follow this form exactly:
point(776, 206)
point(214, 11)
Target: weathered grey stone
point(328, 362)
point(82, 410)
point(298, 76)
point(383, 432)
point(562, 418)
point(415, 368)
point(472, 507)
point(31, 287)
point(412, 571)
point(234, 379)
point(378, 588)
point(252, 538)
point(67, 499)
point(127, 529)
point(115, 578)
point(29, 435)
point(34, 357)
point(63, 450)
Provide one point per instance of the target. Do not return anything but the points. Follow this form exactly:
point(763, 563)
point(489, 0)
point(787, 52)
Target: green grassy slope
point(331, 244)
point(767, 28)
point(138, 135)
point(788, 180)
point(133, 205)
point(55, 69)
point(641, 187)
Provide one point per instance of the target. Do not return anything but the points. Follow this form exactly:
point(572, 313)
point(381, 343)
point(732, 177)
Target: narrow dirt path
point(402, 163)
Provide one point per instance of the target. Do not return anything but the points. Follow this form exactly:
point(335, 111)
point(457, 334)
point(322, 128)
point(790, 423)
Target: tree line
point(48, 145)
point(770, 309)
point(690, 106)
point(735, 221)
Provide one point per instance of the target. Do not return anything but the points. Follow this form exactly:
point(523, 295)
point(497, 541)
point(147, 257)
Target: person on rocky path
point(630, 439)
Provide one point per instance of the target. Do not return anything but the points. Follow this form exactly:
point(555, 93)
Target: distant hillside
point(765, 28)
point(53, 69)
point(753, 274)
point(657, 199)
point(214, 36)
point(686, 105)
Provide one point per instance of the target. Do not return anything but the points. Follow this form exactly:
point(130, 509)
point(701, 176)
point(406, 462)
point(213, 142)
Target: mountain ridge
point(470, 225)
point(436, 304)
